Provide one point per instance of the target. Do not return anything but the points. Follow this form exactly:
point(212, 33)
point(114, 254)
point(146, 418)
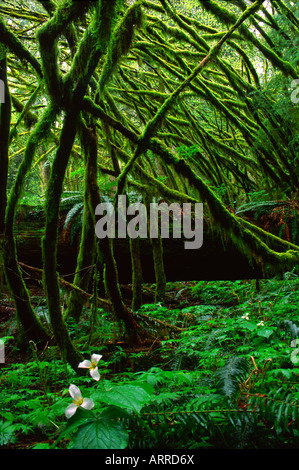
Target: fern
point(245, 430)
point(72, 213)
point(212, 338)
point(70, 198)
point(8, 432)
point(230, 375)
point(278, 408)
point(258, 207)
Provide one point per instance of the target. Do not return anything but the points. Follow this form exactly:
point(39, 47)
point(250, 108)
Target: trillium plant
point(92, 366)
point(75, 393)
point(103, 428)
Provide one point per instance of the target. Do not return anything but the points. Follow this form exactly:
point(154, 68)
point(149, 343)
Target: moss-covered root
point(32, 328)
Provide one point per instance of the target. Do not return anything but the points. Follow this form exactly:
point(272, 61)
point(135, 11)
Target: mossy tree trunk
point(85, 63)
point(32, 328)
point(86, 257)
point(49, 243)
point(5, 117)
point(157, 247)
point(137, 277)
point(105, 245)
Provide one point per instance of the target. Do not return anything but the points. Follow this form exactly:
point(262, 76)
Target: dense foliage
point(224, 376)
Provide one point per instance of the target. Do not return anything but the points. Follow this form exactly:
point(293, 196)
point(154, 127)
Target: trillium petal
point(87, 404)
point(95, 358)
point(71, 410)
point(95, 373)
point(85, 364)
point(75, 392)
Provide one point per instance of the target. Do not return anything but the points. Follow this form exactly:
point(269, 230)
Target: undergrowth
point(222, 373)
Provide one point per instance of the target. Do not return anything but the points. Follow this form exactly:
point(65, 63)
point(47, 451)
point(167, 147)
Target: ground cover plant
point(225, 375)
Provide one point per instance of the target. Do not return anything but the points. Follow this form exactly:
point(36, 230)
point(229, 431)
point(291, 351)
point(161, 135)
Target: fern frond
point(279, 408)
point(231, 375)
point(72, 213)
point(212, 338)
point(70, 198)
point(259, 207)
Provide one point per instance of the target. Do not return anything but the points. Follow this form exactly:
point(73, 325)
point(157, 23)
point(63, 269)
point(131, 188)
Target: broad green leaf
point(285, 372)
point(248, 325)
point(7, 432)
point(265, 332)
point(80, 418)
point(101, 433)
point(129, 397)
point(42, 445)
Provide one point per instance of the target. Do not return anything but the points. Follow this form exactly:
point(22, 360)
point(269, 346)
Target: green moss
point(229, 18)
point(40, 132)
point(121, 41)
point(17, 47)
point(245, 240)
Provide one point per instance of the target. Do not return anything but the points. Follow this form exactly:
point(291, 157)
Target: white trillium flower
point(261, 323)
point(246, 316)
point(78, 400)
point(92, 366)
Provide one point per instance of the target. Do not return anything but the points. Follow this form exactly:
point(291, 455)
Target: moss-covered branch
point(225, 16)
point(17, 47)
point(153, 124)
point(48, 35)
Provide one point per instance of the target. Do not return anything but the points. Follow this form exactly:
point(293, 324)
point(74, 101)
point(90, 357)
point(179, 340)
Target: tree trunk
point(32, 327)
point(105, 245)
point(49, 242)
point(157, 247)
point(159, 269)
point(5, 117)
point(136, 274)
point(86, 257)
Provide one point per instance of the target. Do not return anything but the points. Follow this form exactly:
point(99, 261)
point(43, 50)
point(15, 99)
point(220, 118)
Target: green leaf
point(129, 397)
point(7, 432)
point(285, 372)
point(80, 418)
point(248, 325)
point(265, 332)
point(42, 445)
point(101, 433)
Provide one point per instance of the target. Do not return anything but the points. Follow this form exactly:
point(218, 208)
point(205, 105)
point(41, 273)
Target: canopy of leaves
point(169, 122)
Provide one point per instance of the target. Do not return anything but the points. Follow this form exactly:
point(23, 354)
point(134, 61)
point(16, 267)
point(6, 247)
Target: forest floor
point(200, 327)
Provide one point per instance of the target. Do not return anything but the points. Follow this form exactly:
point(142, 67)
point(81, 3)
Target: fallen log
point(213, 261)
point(102, 303)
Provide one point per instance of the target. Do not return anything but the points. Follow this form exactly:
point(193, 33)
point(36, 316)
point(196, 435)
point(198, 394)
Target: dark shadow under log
point(213, 261)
